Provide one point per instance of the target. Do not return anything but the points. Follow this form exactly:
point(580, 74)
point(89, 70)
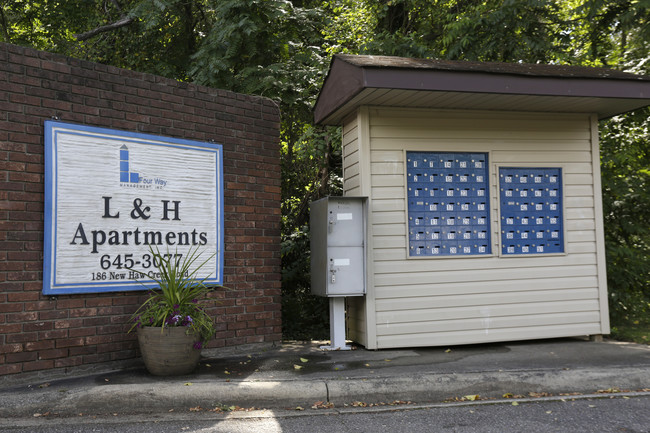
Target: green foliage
point(261, 47)
point(177, 299)
point(617, 33)
point(43, 24)
point(505, 31)
point(160, 37)
point(493, 30)
point(306, 316)
point(350, 23)
point(155, 36)
point(625, 166)
point(311, 169)
point(631, 328)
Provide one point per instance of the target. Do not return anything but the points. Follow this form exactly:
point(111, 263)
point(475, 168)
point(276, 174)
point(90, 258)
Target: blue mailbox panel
point(531, 210)
point(448, 206)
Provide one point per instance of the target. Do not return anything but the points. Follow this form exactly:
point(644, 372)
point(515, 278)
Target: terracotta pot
point(168, 351)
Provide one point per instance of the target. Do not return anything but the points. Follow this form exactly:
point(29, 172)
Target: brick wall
point(40, 332)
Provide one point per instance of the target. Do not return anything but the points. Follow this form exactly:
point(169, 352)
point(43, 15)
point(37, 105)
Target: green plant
point(177, 302)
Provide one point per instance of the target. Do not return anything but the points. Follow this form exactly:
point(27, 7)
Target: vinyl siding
point(461, 300)
point(351, 168)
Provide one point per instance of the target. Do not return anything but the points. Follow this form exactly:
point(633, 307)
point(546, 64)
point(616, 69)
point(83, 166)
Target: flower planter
point(169, 351)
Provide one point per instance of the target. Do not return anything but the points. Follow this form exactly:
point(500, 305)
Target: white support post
point(337, 325)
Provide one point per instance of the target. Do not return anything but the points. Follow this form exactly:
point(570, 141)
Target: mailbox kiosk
point(338, 251)
point(484, 212)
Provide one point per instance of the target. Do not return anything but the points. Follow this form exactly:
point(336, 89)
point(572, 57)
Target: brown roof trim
point(350, 75)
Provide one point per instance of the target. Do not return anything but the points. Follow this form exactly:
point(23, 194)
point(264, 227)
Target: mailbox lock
point(332, 272)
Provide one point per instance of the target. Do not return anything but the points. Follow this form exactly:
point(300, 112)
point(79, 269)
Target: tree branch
point(3, 23)
point(124, 21)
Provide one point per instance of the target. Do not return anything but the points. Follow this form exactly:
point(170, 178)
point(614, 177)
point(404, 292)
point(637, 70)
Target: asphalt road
point(615, 413)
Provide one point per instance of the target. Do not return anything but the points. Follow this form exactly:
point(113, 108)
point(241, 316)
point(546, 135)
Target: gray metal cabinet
point(338, 239)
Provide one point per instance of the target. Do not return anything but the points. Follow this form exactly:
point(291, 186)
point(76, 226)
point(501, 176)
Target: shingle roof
point(530, 69)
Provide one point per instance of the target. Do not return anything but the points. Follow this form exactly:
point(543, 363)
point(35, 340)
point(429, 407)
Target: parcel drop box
point(338, 241)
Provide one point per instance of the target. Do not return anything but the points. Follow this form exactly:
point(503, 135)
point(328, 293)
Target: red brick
point(110, 311)
point(69, 342)
point(236, 325)
point(39, 306)
point(82, 350)
point(98, 339)
point(11, 328)
point(81, 332)
point(53, 315)
point(254, 339)
point(22, 317)
point(68, 323)
point(38, 365)
point(52, 353)
point(38, 326)
point(127, 300)
point(70, 361)
point(11, 308)
point(12, 205)
point(96, 321)
point(21, 297)
point(110, 348)
point(83, 312)
point(92, 359)
point(39, 345)
point(111, 329)
point(98, 302)
point(54, 335)
point(20, 338)
point(69, 303)
point(21, 357)
point(11, 348)
point(10, 369)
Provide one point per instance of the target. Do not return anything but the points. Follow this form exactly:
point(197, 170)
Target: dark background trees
point(281, 49)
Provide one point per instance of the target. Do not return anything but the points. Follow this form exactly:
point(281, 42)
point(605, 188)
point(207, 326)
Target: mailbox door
point(345, 223)
point(346, 271)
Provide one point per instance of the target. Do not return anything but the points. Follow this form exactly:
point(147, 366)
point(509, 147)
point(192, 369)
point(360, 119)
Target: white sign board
point(113, 196)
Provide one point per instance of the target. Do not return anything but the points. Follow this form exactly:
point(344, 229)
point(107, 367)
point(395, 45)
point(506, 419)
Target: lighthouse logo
point(127, 175)
point(133, 179)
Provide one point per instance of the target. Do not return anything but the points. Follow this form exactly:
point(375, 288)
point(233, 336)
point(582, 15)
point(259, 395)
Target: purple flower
point(198, 345)
point(187, 321)
point(176, 306)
